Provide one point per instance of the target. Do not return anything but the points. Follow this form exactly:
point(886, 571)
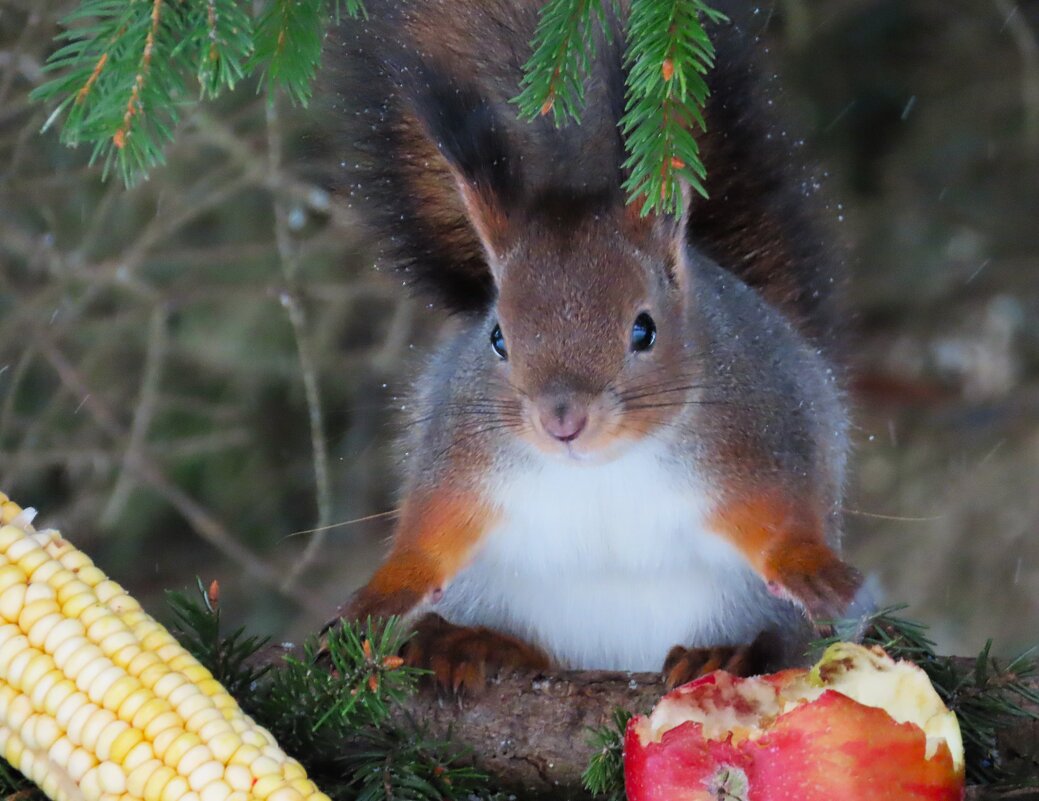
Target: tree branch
point(531, 732)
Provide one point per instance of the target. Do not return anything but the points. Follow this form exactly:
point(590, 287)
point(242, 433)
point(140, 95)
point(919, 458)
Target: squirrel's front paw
point(818, 580)
point(462, 659)
point(752, 659)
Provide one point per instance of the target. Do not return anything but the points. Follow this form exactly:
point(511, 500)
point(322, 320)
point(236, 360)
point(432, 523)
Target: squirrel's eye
point(643, 333)
point(498, 343)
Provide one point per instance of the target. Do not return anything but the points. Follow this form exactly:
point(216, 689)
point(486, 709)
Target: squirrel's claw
point(751, 659)
point(462, 659)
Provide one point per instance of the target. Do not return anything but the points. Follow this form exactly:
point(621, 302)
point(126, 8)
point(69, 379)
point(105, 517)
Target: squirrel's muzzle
point(563, 419)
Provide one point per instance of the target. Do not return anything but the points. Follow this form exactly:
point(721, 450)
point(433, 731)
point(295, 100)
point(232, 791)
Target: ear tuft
point(467, 132)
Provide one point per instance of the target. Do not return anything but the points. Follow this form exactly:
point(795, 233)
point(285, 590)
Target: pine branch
point(604, 777)
point(564, 45)
point(288, 45)
point(127, 69)
point(228, 657)
point(224, 41)
point(668, 55)
point(122, 73)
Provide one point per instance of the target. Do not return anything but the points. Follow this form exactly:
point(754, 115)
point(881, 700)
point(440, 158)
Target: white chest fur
point(608, 566)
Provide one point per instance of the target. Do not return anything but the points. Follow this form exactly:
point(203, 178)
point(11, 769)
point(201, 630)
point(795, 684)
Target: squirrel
point(628, 450)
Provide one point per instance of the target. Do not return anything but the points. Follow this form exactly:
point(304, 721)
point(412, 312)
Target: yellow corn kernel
point(157, 782)
point(142, 662)
point(177, 788)
point(79, 763)
point(292, 770)
point(77, 604)
point(138, 755)
point(149, 710)
point(8, 536)
point(124, 743)
point(111, 778)
point(286, 793)
point(103, 682)
point(245, 755)
point(19, 548)
point(57, 695)
point(215, 791)
point(161, 722)
point(65, 630)
point(118, 691)
point(92, 728)
point(138, 777)
point(223, 745)
point(12, 601)
point(193, 760)
point(73, 588)
point(238, 777)
point(125, 655)
point(305, 786)
point(32, 561)
point(109, 734)
point(171, 750)
point(267, 784)
point(135, 701)
point(42, 686)
point(205, 773)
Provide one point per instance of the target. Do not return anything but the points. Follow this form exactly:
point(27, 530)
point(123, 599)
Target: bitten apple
point(858, 726)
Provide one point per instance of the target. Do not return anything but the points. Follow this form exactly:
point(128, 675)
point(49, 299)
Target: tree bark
point(530, 731)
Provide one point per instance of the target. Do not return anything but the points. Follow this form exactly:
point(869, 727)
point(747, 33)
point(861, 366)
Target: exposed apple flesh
point(856, 727)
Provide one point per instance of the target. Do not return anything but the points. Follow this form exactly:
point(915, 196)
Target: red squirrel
point(628, 450)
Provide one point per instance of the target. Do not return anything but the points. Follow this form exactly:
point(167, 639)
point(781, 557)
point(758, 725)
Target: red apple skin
point(832, 749)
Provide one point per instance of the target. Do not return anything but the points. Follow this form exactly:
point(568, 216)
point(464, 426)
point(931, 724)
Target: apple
point(858, 726)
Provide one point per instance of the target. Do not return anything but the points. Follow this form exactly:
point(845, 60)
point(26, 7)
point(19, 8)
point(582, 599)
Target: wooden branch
point(530, 731)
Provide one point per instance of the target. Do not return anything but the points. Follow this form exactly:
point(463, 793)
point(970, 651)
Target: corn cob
point(99, 702)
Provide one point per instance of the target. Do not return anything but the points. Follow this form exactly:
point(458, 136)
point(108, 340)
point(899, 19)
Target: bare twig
point(155, 357)
point(289, 259)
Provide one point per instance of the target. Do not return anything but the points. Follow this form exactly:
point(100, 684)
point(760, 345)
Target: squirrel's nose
point(563, 421)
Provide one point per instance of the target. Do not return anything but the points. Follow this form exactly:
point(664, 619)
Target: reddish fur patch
point(765, 526)
point(435, 536)
point(784, 540)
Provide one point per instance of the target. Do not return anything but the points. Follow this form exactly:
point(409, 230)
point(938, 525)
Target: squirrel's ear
point(489, 218)
point(467, 131)
point(664, 234)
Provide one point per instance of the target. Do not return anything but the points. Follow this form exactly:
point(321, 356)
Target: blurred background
point(197, 373)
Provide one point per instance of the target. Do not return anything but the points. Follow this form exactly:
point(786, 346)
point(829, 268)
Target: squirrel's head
point(588, 332)
point(586, 335)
